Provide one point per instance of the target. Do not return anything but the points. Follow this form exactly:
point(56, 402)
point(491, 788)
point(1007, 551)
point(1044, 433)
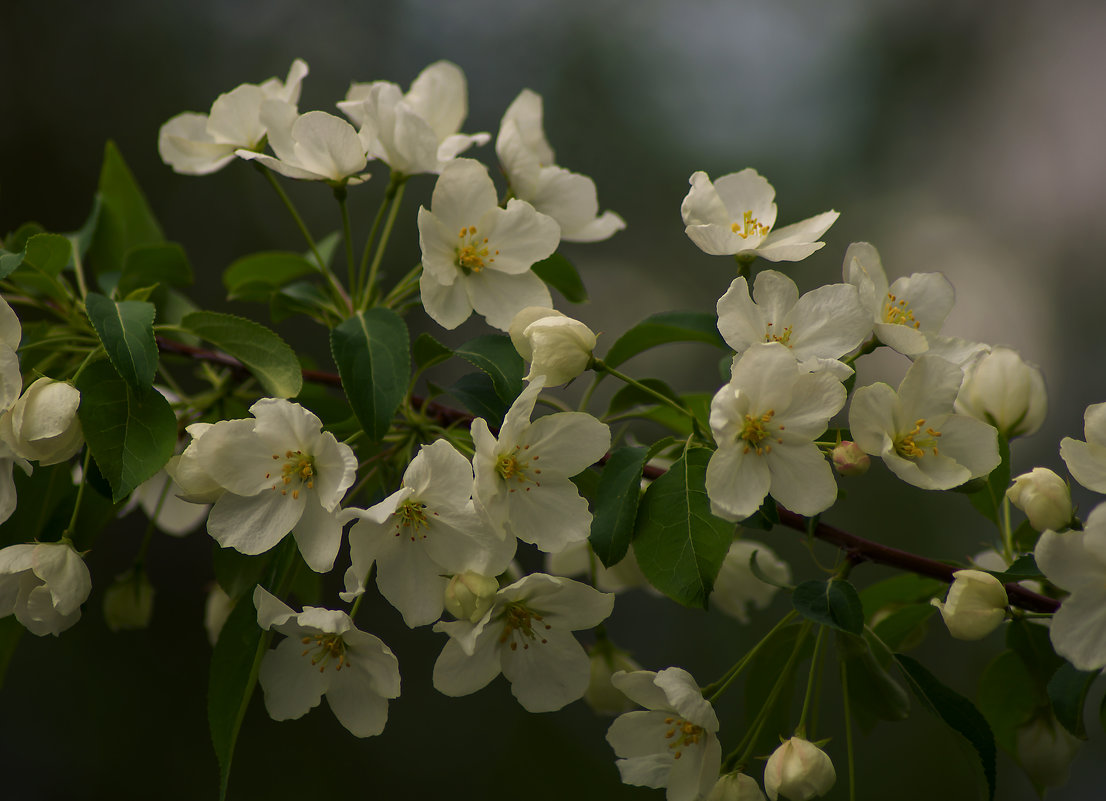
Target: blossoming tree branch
point(117, 392)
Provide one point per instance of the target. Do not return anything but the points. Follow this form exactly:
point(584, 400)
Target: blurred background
point(961, 137)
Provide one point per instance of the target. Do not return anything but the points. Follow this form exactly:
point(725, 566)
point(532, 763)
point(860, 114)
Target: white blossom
point(975, 606)
point(557, 347)
point(315, 146)
point(43, 584)
point(1003, 390)
point(1044, 497)
point(736, 787)
point(42, 425)
point(1086, 461)
point(799, 770)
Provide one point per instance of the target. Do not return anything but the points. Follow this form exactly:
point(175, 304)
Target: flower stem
point(812, 680)
point(347, 235)
point(600, 366)
point(395, 189)
point(714, 690)
point(67, 535)
point(848, 728)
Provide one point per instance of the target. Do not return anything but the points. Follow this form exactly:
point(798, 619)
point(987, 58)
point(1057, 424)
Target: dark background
point(965, 137)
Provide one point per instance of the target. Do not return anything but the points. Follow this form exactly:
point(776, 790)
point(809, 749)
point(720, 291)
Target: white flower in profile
point(915, 431)
point(280, 472)
point(975, 606)
point(522, 477)
point(1086, 460)
point(315, 146)
point(43, 584)
point(422, 533)
point(418, 131)
point(325, 654)
point(42, 425)
point(799, 770)
point(526, 635)
point(1076, 561)
point(735, 216)
point(476, 255)
point(557, 347)
point(765, 421)
point(818, 328)
point(736, 586)
point(672, 742)
point(528, 160)
point(199, 144)
point(1004, 390)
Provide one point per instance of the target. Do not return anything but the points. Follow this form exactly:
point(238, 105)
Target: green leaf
point(126, 329)
point(16, 241)
point(427, 351)
point(49, 253)
point(662, 328)
point(907, 588)
point(1007, 696)
point(238, 573)
point(698, 403)
point(147, 265)
point(904, 628)
point(299, 297)
point(372, 351)
point(956, 711)
point(561, 274)
point(631, 397)
point(1034, 646)
point(496, 356)
point(125, 221)
point(131, 432)
point(1024, 567)
point(1067, 690)
point(257, 276)
point(260, 350)
point(612, 526)
point(874, 694)
point(988, 499)
point(678, 543)
point(8, 263)
point(833, 603)
point(477, 394)
point(10, 632)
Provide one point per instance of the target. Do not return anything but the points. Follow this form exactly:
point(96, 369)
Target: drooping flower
point(526, 635)
point(672, 742)
point(1086, 460)
point(477, 256)
point(735, 215)
point(528, 160)
point(323, 653)
point(818, 328)
point(421, 533)
point(975, 606)
point(280, 472)
point(415, 132)
point(315, 146)
point(1076, 561)
point(1044, 497)
point(915, 431)
point(1003, 390)
point(42, 426)
point(43, 584)
point(199, 144)
point(799, 771)
point(737, 586)
point(765, 421)
point(522, 477)
point(556, 346)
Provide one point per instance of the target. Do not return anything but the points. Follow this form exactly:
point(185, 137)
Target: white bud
point(601, 695)
point(469, 595)
point(42, 425)
point(43, 584)
point(1044, 497)
point(736, 787)
point(850, 460)
point(556, 346)
point(736, 586)
point(799, 771)
point(975, 606)
point(1045, 750)
point(129, 602)
point(1005, 391)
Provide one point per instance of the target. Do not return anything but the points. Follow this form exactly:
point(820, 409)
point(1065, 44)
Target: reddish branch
point(856, 548)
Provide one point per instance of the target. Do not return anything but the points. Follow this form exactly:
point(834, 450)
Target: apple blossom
point(1086, 461)
point(915, 431)
point(297, 673)
point(477, 256)
point(527, 159)
point(556, 346)
point(315, 146)
point(764, 421)
point(736, 586)
point(526, 636)
point(469, 595)
point(736, 787)
point(43, 584)
point(42, 425)
point(799, 771)
point(672, 742)
point(1044, 497)
point(735, 216)
point(819, 328)
point(418, 131)
point(1005, 391)
point(849, 459)
point(280, 472)
point(975, 606)
point(522, 477)
point(198, 144)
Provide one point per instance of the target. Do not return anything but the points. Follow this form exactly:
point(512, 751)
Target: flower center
point(755, 431)
point(749, 226)
point(519, 620)
point(682, 734)
point(410, 517)
point(473, 254)
point(897, 312)
point(325, 650)
point(783, 339)
point(514, 465)
point(913, 446)
point(297, 472)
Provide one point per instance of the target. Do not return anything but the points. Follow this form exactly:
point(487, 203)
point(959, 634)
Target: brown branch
point(856, 548)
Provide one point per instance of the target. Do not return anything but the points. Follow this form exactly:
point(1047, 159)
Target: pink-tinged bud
point(850, 460)
point(1044, 497)
point(799, 771)
point(976, 605)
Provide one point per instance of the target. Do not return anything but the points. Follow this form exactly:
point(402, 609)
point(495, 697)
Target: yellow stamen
point(749, 226)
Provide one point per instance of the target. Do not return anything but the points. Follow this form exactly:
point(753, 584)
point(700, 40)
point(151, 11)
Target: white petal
point(1078, 630)
point(684, 696)
point(463, 192)
point(318, 535)
point(641, 688)
point(253, 525)
point(736, 482)
point(547, 675)
point(447, 305)
point(929, 296)
point(566, 443)
point(797, 241)
point(520, 236)
point(802, 479)
point(353, 702)
point(740, 321)
point(929, 388)
point(456, 673)
point(499, 297)
point(291, 683)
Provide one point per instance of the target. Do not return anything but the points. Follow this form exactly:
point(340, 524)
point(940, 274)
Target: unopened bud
point(557, 347)
point(736, 787)
point(42, 425)
point(1044, 497)
point(129, 602)
point(975, 606)
point(602, 696)
point(469, 595)
point(1005, 391)
point(1045, 750)
point(850, 460)
point(799, 771)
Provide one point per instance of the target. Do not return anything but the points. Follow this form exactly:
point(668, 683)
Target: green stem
point(87, 361)
point(78, 269)
point(600, 366)
point(347, 235)
point(848, 730)
point(67, 535)
point(714, 690)
point(400, 182)
point(812, 680)
point(402, 290)
point(389, 193)
point(1007, 532)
